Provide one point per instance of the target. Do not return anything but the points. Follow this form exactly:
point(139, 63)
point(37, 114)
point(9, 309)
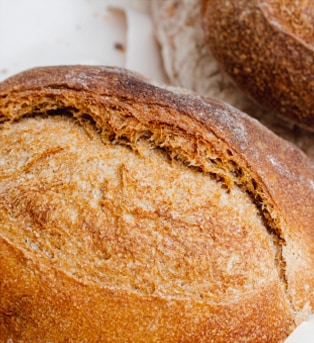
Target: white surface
point(51, 32)
point(303, 333)
point(99, 32)
point(142, 52)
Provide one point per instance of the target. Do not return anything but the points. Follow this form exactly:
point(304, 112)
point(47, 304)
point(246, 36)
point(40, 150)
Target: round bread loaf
point(267, 47)
point(135, 213)
point(189, 63)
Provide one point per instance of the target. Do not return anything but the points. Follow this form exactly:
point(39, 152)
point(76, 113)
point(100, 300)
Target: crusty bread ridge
point(134, 212)
point(189, 63)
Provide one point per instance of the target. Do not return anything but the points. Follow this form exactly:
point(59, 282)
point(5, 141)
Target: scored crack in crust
point(123, 201)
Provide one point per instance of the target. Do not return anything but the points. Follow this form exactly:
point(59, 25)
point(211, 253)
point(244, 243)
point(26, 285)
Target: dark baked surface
point(267, 47)
point(132, 212)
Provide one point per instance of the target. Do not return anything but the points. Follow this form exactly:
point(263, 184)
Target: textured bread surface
point(267, 47)
point(135, 213)
point(189, 63)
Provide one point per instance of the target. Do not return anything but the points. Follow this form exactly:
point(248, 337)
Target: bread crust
point(266, 46)
point(189, 63)
point(117, 109)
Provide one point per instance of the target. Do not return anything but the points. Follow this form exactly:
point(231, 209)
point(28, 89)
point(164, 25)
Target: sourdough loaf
point(190, 64)
point(267, 47)
point(131, 212)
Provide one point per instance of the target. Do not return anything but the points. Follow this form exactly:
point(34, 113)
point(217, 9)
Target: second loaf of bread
point(180, 28)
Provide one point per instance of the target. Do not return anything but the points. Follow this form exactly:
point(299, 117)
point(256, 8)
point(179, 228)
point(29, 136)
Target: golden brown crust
point(131, 212)
point(266, 46)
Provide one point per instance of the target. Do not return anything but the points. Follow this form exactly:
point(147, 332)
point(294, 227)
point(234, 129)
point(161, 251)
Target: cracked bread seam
point(199, 152)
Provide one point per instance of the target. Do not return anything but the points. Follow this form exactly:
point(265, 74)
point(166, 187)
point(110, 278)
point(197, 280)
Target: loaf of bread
point(131, 212)
point(267, 47)
point(189, 63)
